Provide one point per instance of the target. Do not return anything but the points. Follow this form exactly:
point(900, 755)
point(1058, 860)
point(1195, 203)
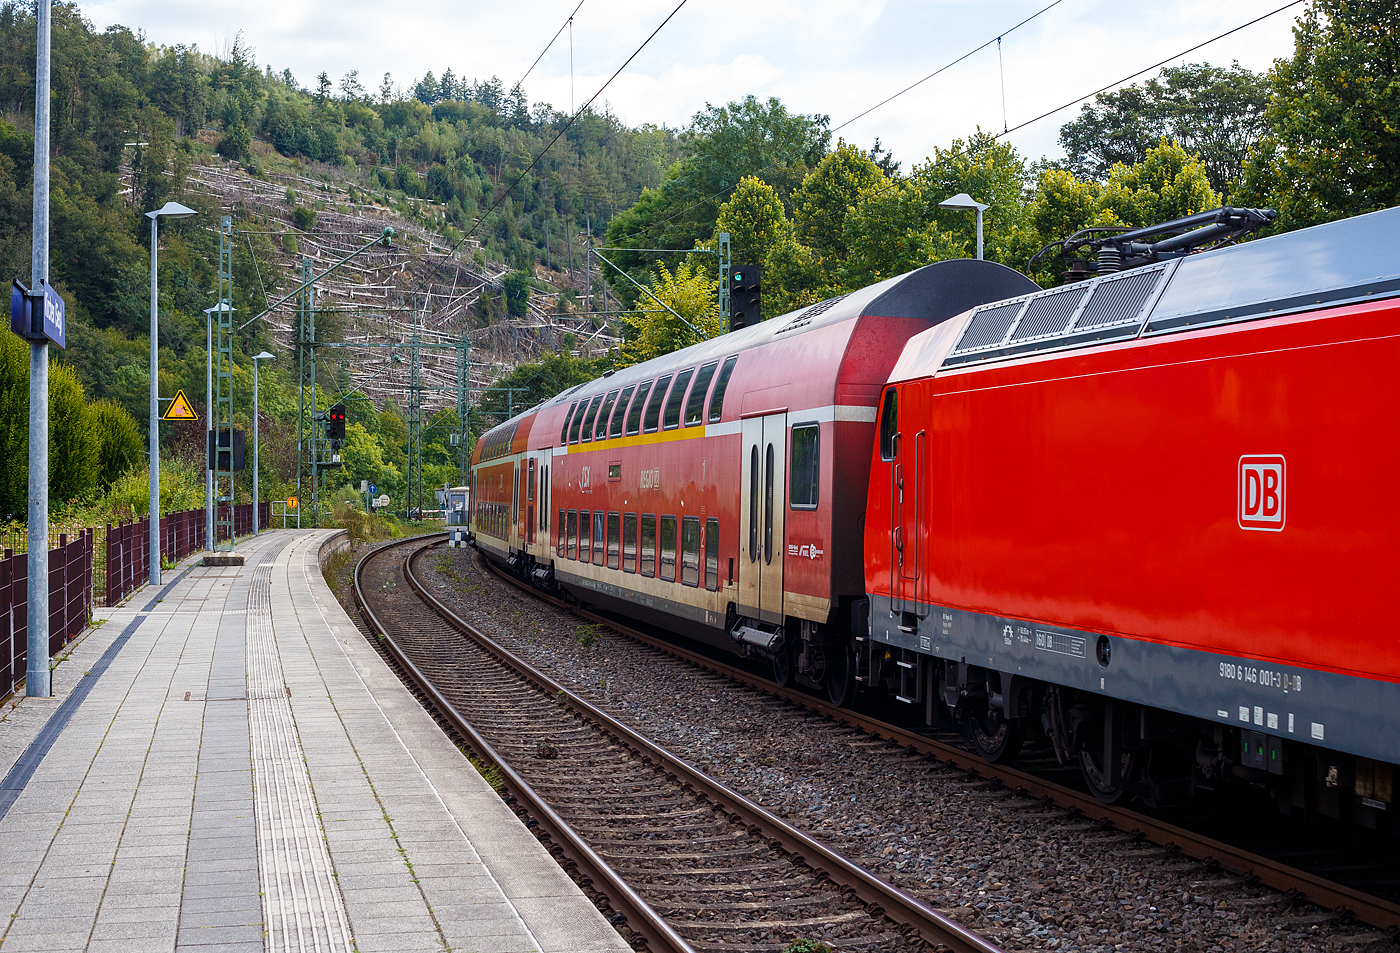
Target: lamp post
point(966, 202)
point(168, 210)
point(264, 356)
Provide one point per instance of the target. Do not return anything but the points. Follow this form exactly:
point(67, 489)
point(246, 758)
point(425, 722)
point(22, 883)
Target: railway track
point(1296, 883)
point(687, 863)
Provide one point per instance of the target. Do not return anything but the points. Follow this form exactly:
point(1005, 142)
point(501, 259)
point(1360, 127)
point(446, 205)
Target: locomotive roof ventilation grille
point(805, 316)
point(1109, 308)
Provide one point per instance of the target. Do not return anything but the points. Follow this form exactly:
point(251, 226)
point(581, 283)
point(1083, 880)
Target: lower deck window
point(690, 551)
point(629, 542)
point(668, 548)
point(573, 534)
point(712, 553)
point(597, 537)
point(614, 539)
point(559, 549)
point(585, 534)
point(648, 545)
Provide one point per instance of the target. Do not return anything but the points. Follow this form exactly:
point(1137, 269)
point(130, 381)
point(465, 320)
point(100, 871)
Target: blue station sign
point(37, 316)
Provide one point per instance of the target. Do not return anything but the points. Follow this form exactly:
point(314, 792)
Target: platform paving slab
point(227, 765)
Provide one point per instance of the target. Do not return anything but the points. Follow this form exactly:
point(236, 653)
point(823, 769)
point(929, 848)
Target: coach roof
point(933, 293)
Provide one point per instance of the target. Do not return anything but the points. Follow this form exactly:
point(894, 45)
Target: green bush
point(118, 441)
point(305, 218)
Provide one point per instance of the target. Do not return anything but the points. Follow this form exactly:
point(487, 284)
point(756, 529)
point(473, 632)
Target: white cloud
point(836, 57)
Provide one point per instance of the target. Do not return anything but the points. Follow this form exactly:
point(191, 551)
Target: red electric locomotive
point(1151, 516)
point(718, 490)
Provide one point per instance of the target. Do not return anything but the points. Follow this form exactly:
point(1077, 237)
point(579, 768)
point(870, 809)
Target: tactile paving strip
point(302, 907)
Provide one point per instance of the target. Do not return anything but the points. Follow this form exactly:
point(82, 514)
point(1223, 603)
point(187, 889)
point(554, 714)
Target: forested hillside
point(309, 167)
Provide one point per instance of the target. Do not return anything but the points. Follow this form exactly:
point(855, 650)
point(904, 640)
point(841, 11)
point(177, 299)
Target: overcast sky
point(836, 57)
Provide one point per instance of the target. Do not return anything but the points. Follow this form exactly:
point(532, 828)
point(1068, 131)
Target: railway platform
point(226, 764)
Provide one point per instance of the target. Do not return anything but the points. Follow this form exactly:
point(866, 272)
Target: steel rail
point(910, 913)
point(659, 935)
point(1338, 898)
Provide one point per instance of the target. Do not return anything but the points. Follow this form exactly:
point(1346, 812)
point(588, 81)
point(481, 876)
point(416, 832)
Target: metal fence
point(70, 602)
point(128, 562)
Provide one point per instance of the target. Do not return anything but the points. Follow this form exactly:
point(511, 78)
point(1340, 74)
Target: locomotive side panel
point(1215, 506)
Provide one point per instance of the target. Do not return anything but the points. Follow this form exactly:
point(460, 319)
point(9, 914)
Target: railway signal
point(335, 425)
point(745, 296)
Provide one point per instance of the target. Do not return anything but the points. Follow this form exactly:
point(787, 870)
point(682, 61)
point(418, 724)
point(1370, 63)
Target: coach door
point(907, 496)
point(539, 519)
point(531, 503)
point(763, 543)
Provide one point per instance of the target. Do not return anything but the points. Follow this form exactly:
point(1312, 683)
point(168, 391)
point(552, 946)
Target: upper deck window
point(673, 403)
point(639, 404)
point(695, 406)
point(620, 413)
point(653, 418)
point(604, 413)
point(564, 430)
point(587, 434)
point(717, 398)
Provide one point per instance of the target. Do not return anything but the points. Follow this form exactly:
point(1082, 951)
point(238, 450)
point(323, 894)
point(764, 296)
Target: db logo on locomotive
point(1261, 493)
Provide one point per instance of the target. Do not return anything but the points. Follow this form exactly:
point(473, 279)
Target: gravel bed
point(1027, 875)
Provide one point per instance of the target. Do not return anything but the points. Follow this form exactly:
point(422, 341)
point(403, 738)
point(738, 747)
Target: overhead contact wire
point(1130, 76)
point(996, 39)
point(568, 20)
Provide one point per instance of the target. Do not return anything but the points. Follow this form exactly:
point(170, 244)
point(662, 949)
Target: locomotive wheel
point(1096, 780)
point(997, 741)
point(841, 676)
point(783, 668)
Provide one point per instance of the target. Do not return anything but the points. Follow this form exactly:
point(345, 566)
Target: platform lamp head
point(967, 203)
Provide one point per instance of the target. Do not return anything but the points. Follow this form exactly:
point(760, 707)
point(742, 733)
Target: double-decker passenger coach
point(719, 491)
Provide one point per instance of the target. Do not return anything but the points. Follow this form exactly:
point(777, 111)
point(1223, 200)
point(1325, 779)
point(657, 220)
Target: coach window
point(620, 414)
point(712, 553)
point(668, 548)
point(575, 432)
point(690, 551)
point(598, 527)
point(564, 430)
point(587, 434)
point(673, 404)
point(573, 534)
point(717, 398)
point(600, 419)
point(530, 482)
point(614, 539)
point(639, 404)
point(768, 508)
point(648, 552)
point(585, 534)
point(889, 424)
point(802, 492)
point(695, 406)
point(601, 432)
point(559, 547)
point(753, 503)
point(653, 418)
point(629, 542)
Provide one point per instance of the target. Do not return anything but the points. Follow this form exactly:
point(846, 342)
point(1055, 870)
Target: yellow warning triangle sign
point(180, 408)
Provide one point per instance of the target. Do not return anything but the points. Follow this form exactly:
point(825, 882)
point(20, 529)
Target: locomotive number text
point(1267, 678)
